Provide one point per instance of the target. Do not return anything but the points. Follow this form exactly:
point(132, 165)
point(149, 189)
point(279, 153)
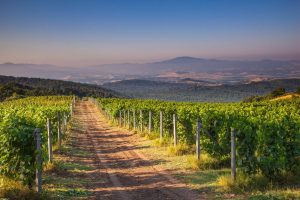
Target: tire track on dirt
point(128, 173)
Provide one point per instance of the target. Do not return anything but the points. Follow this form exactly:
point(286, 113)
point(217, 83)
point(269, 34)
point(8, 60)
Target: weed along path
point(120, 171)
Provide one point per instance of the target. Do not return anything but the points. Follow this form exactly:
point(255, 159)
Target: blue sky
point(88, 32)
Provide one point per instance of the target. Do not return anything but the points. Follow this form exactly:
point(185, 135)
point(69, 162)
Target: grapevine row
point(267, 133)
point(18, 121)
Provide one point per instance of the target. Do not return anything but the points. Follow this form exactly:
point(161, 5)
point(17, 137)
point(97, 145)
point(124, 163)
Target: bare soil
point(120, 171)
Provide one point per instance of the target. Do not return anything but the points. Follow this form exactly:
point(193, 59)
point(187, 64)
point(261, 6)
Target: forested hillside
point(146, 89)
point(12, 87)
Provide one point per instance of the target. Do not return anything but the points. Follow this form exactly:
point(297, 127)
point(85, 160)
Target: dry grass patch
point(11, 189)
point(179, 149)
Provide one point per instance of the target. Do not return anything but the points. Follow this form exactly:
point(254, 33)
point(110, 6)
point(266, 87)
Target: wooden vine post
point(233, 155)
point(64, 123)
point(72, 106)
point(198, 139)
point(50, 153)
point(134, 120)
point(128, 117)
point(39, 164)
point(160, 125)
point(59, 135)
point(124, 113)
point(175, 130)
point(71, 109)
point(150, 122)
point(141, 120)
point(120, 118)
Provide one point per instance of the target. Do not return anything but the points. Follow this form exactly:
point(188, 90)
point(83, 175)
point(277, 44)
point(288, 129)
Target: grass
point(259, 187)
point(69, 193)
point(203, 180)
point(65, 181)
point(279, 194)
point(71, 166)
point(211, 176)
point(11, 189)
point(205, 162)
point(243, 183)
point(161, 143)
point(63, 178)
point(60, 166)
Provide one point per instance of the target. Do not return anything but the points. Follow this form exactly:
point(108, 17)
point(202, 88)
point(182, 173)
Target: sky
point(91, 32)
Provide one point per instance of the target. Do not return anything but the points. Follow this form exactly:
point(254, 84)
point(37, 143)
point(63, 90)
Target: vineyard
point(264, 136)
point(267, 133)
point(18, 121)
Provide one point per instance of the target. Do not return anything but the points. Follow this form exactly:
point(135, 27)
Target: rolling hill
point(12, 86)
point(192, 92)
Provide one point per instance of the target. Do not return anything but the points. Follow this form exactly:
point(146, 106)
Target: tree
point(253, 99)
point(277, 92)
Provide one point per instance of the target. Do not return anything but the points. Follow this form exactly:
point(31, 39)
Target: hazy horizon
point(153, 61)
point(86, 33)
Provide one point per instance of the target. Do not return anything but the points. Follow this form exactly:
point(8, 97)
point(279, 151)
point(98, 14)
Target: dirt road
point(121, 172)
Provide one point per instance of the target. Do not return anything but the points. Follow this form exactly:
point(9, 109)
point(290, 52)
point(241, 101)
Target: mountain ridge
point(200, 69)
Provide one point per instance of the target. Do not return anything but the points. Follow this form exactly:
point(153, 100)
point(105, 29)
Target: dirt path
point(121, 172)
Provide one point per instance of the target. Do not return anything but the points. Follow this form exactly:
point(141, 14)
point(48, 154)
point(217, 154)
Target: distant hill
point(192, 92)
point(214, 71)
point(16, 87)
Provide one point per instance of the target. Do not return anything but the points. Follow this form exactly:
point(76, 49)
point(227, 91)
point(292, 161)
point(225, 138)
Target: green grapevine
point(267, 133)
point(18, 120)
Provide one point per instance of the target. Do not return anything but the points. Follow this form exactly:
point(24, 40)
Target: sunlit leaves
point(18, 120)
point(267, 133)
